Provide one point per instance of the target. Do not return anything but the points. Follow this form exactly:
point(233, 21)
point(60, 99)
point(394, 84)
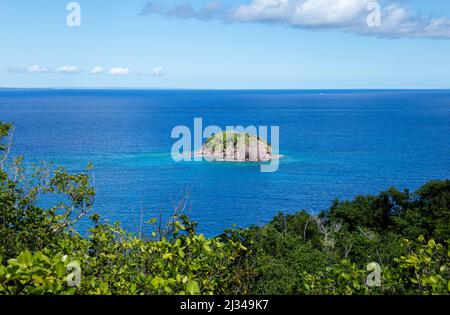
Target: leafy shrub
point(35, 273)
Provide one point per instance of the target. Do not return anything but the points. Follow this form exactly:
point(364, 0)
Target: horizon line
point(228, 89)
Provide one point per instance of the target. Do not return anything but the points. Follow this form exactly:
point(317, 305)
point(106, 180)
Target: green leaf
point(70, 291)
point(434, 279)
point(206, 248)
point(192, 287)
point(60, 270)
point(25, 258)
point(151, 221)
point(36, 278)
point(13, 262)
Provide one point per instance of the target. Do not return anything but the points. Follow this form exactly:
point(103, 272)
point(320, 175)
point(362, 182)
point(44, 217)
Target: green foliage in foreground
point(404, 235)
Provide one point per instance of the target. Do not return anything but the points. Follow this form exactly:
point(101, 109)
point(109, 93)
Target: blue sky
point(230, 44)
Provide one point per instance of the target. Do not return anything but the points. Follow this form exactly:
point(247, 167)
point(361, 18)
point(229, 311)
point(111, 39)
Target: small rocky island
point(232, 146)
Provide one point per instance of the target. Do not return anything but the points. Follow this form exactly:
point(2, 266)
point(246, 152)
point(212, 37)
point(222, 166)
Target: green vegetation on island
point(236, 146)
point(335, 252)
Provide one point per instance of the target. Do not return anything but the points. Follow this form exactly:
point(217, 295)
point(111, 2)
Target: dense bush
point(329, 253)
point(335, 252)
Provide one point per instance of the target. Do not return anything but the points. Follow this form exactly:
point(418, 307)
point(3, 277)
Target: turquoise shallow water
point(336, 144)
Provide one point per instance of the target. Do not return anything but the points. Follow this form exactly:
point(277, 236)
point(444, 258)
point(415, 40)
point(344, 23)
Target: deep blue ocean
point(337, 144)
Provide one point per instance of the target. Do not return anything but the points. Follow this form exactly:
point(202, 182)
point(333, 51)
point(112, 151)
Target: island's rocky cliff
point(236, 147)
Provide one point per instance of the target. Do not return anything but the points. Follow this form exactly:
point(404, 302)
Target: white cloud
point(97, 70)
point(305, 13)
point(29, 69)
point(157, 72)
point(36, 69)
point(119, 71)
point(397, 19)
point(67, 69)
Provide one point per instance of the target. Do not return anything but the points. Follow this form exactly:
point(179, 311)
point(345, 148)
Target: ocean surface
point(337, 144)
